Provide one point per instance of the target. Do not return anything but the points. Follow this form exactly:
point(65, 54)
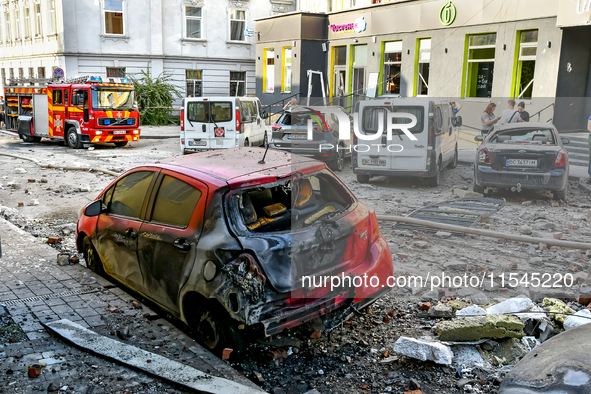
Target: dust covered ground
point(358, 356)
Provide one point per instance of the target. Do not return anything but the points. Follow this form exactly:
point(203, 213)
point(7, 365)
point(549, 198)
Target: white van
point(436, 146)
point(222, 122)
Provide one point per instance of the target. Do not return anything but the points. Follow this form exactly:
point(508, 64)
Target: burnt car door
point(167, 240)
point(117, 229)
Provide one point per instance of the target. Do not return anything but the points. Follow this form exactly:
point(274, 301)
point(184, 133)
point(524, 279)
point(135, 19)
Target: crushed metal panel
point(463, 212)
point(132, 356)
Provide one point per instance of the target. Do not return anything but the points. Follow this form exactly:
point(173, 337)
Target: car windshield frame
point(523, 132)
point(108, 99)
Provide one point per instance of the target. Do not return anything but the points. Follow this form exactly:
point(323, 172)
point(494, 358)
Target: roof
point(242, 164)
point(525, 125)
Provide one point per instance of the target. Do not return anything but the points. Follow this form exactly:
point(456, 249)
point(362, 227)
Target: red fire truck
point(80, 111)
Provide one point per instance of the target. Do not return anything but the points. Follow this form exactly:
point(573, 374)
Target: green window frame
point(479, 60)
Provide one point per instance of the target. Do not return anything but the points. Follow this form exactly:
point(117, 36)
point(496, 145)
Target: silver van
point(435, 147)
point(222, 122)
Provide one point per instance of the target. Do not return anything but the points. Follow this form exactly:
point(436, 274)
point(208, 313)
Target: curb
point(157, 137)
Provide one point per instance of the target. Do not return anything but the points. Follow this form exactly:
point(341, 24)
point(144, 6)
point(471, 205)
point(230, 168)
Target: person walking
point(488, 119)
point(523, 114)
point(510, 115)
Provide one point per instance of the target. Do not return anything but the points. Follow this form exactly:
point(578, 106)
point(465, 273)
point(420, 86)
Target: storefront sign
point(447, 14)
point(358, 26)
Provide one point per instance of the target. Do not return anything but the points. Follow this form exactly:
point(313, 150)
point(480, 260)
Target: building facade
point(201, 43)
point(477, 51)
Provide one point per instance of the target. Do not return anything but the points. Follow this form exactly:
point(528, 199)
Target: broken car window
point(129, 194)
point(295, 204)
point(175, 202)
point(535, 136)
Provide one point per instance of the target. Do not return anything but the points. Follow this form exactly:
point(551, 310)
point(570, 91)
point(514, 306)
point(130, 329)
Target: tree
point(157, 92)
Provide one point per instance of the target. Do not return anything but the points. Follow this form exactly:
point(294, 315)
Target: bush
point(158, 92)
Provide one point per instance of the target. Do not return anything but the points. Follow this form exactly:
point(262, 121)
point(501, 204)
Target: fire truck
point(81, 111)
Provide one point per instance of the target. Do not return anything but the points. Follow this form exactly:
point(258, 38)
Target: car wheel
point(216, 332)
point(339, 163)
point(478, 189)
point(121, 143)
point(246, 142)
point(560, 194)
point(362, 178)
point(434, 181)
point(454, 162)
point(73, 139)
point(93, 261)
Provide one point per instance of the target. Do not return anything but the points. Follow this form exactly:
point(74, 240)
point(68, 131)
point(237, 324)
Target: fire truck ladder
point(15, 82)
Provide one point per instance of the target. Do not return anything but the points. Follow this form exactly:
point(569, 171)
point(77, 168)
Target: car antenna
point(265, 155)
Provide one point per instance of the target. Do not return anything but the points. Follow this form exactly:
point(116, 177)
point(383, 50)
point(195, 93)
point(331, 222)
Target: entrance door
point(339, 86)
point(358, 85)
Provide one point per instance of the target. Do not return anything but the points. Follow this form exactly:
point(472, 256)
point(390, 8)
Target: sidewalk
point(35, 290)
point(159, 132)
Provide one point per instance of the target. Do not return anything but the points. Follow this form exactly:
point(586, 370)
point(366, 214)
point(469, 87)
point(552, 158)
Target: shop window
point(51, 16)
point(113, 12)
point(237, 25)
point(8, 35)
point(194, 83)
point(193, 19)
point(269, 71)
point(340, 56)
point(392, 67)
point(360, 55)
point(286, 73)
point(423, 66)
point(38, 20)
point(115, 72)
point(480, 65)
point(526, 63)
point(27, 23)
point(237, 83)
point(17, 24)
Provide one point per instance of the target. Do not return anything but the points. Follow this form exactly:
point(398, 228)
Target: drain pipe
point(487, 233)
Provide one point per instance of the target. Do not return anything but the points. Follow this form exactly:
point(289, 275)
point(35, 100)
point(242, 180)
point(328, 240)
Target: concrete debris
point(33, 202)
point(512, 305)
point(457, 305)
point(86, 279)
point(465, 193)
point(441, 311)
point(560, 309)
point(63, 259)
point(467, 355)
point(442, 234)
point(479, 299)
point(421, 244)
point(473, 310)
point(20, 171)
point(455, 266)
point(478, 327)
point(123, 332)
point(54, 240)
point(422, 350)
point(578, 319)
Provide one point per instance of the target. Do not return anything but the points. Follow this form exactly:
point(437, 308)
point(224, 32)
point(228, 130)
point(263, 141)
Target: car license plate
point(373, 162)
point(197, 143)
point(119, 132)
point(297, 136)
point(521, 163)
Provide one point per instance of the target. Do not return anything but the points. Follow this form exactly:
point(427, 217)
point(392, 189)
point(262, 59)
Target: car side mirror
point(95, 209)
point(565, 141)
point(457, 122)
point(265, 115)
point(479, 138)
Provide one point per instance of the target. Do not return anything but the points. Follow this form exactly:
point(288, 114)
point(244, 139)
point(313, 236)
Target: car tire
point(246, 142)
point(121, 144)
point(560, 194)
point(93, 260)
point(217, 332)
point(478, 189)
point(73, 139)
point(454, 163)
point(362, 178)
point(339, 163)
point(434, 180)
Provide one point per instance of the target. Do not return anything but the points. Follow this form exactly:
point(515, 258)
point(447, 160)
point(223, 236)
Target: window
point(3, 74)
point(8, 36)
point(115, 72)
point(423, 63)
point(526, 63)
point(237, 25)
point(11, 73)
point(40, 72)
point(27, 23)
point(372, 114)
point(38, 24)
point(17, 24)
point(269, 71)
point(57, 97)
point(21, 73)
point(193, 83)
point(286, 74)
point(193, 22)
point(129, 194)
point(360, 55)
point(51, 16)
point(392, 66)
point(175, 202)
point(31, 72)
point(237, 83)
point(114, 17)
point(221, 111)
point(340, 56)
point(480, 65)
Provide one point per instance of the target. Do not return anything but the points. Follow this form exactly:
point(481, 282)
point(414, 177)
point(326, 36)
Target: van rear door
point(223, 124)
point(210, 124)
point(196, 124)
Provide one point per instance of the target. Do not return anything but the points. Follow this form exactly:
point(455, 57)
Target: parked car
point(522, 156)
point(223, 240)
point(222, 122)
point(436, 146)
point(290, 134)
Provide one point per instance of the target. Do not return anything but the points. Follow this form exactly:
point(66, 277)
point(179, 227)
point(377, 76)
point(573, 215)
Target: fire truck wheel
point(36, 139)
point(26, 138)
point(73, 139)
point(120, 143)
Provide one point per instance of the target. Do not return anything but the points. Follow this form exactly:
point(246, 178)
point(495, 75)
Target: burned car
point(522, 156)
point(234, 241)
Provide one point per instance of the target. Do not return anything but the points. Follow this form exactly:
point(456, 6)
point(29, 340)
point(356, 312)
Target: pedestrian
point(523, 114)
point(510, 115)
point(290, 105)
point(456, 107)
point(488, 119)
point(589, 142)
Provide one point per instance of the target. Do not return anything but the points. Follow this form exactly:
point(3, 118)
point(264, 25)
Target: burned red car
point(238, 240)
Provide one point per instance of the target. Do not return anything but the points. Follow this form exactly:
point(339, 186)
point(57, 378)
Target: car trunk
point(523, 157)
point(296, 135)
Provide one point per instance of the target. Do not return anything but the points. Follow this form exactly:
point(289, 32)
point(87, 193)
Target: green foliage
point(158, 92)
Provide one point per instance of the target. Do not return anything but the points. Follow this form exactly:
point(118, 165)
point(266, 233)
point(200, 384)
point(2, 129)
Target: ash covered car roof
point(240, 164)
point(524, 125)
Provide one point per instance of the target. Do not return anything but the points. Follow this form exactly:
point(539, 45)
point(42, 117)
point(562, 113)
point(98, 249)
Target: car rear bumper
point(379, 263)
point(376, 171)
point(313, 150)
point(555, 179)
